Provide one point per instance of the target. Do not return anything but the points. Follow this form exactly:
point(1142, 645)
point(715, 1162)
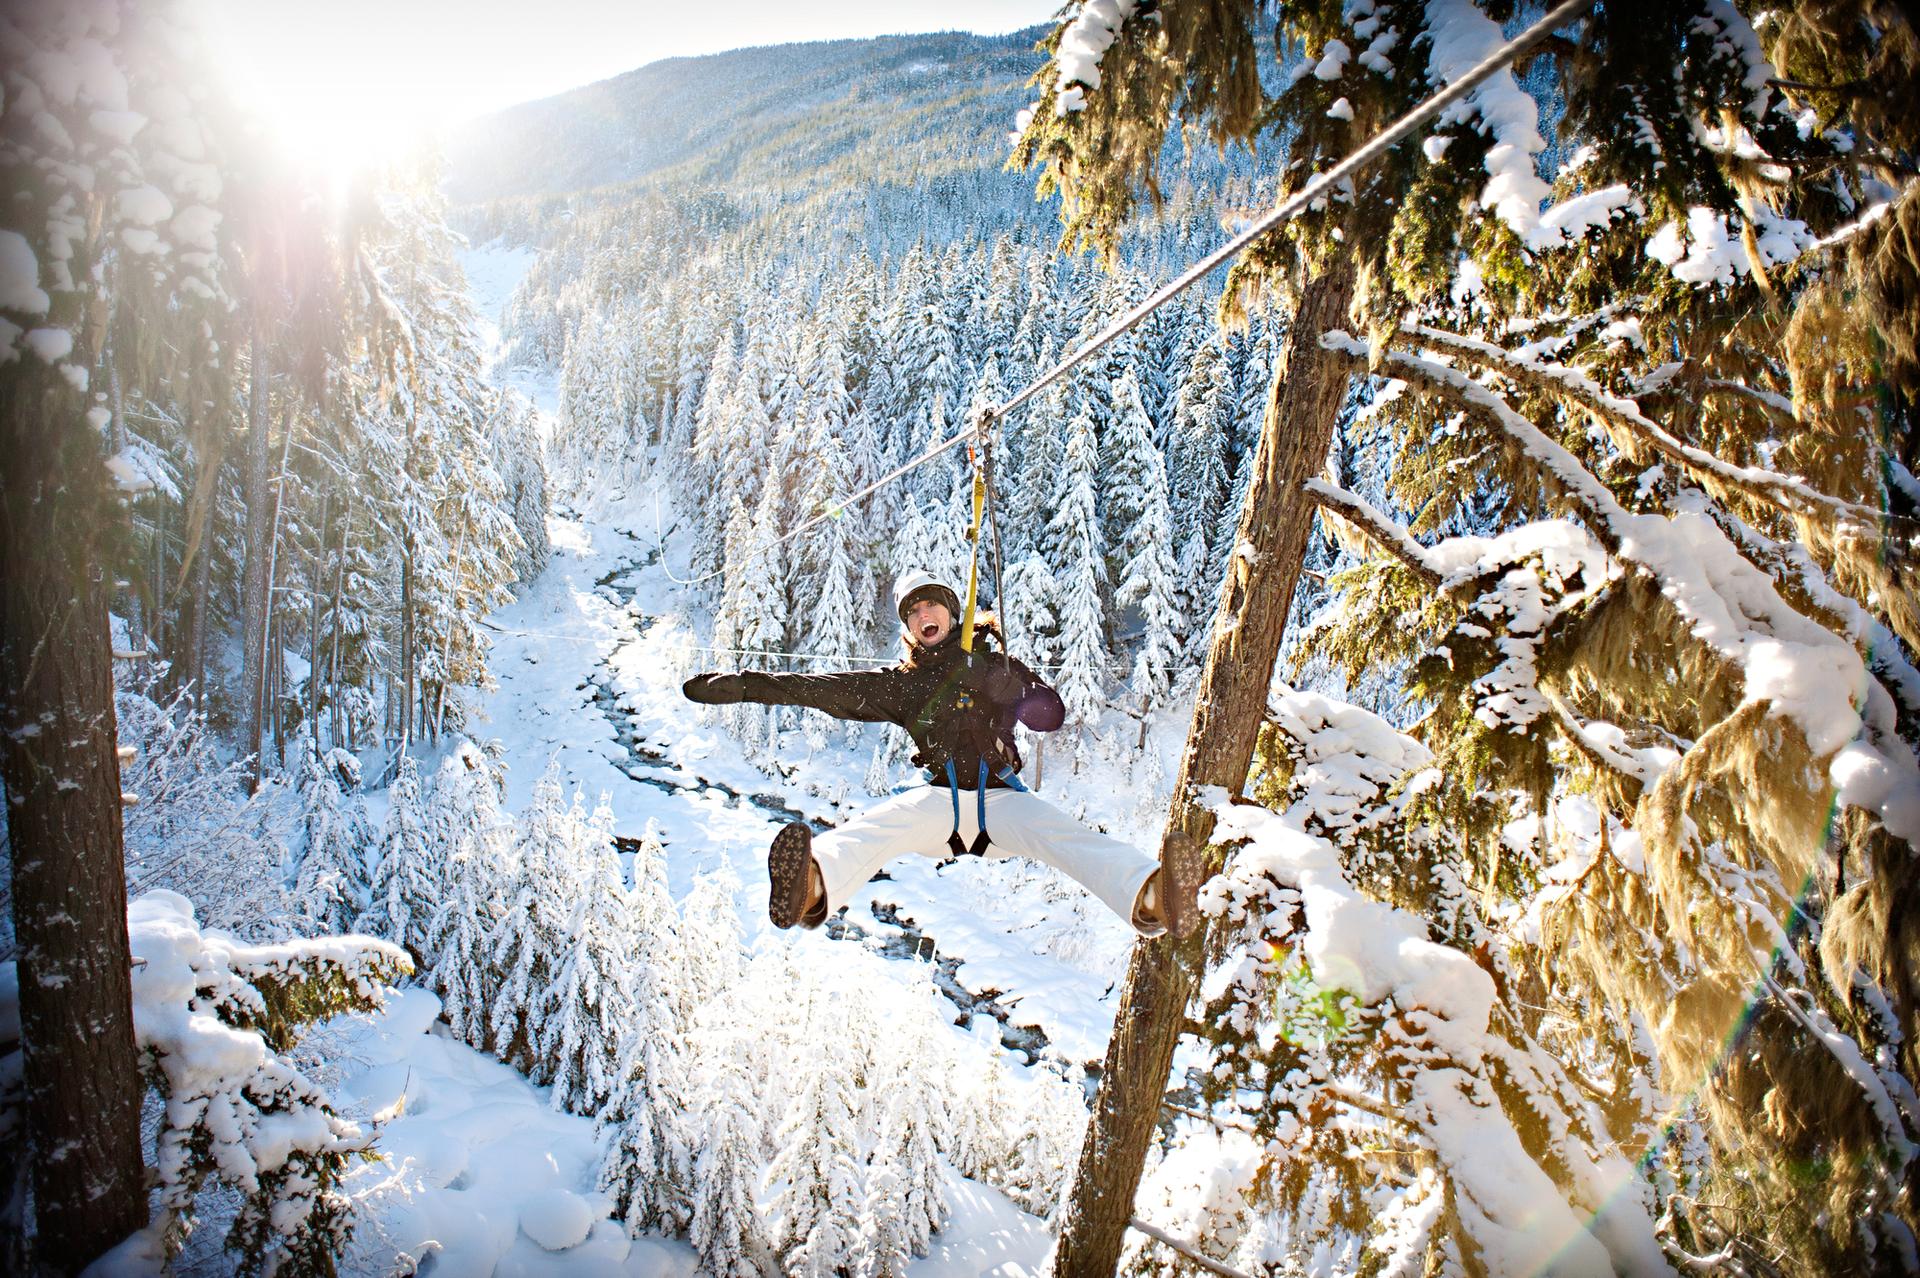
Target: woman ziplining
point(959, 705)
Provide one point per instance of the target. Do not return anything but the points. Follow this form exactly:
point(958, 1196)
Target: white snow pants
point(1019, 823)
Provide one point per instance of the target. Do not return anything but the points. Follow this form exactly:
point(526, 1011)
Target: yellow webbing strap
point(978, 458)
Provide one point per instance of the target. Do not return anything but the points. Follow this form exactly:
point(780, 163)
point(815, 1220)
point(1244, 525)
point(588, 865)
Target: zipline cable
point(1320, 187)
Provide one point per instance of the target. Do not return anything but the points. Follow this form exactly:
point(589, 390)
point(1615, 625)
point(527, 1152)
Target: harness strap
point(954, 845)
point(981, 841)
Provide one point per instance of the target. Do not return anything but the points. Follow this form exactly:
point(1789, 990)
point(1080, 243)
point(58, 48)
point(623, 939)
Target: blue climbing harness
point(1006, 776)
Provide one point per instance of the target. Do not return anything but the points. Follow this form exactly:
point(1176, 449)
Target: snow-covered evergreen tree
point(586, 1009)
point(1074, 537)
point(470, 837)
point(727, 1227)
point(648, 1166)
point(714, 959)
point(333, 882)
point(1148, 584)
point(407, 880)
point(814, 1188)
point(528, 939)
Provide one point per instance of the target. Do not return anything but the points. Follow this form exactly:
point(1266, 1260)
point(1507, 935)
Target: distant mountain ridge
point(789, 117)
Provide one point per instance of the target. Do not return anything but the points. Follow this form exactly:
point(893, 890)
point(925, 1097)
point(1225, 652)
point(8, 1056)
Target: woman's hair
point(985, 626)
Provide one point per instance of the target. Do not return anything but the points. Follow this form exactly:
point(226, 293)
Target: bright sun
point(339, 85)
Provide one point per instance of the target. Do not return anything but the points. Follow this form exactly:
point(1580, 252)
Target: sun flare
point(336, 87)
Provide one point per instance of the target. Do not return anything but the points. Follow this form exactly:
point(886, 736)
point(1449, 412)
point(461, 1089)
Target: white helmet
point(917, 584)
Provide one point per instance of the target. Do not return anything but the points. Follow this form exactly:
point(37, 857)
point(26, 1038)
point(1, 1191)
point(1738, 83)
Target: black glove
point(715, 689)
point(990, 678)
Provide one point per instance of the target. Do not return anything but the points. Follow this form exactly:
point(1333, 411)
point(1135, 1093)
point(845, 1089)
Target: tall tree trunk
point(202, 624)
point(62, 781)
point(278, 669)
point(1303, 408)
point(446, 647)
point(131, 602)
point(333, 658)
point(315, 567)
point(276, 685)
point(406, 643)
point(160, 630)
point(255, 602)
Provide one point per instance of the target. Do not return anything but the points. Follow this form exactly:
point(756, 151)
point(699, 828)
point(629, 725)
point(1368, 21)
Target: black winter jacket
point(956, 706)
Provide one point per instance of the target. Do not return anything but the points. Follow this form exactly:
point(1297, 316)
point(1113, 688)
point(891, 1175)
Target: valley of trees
point(1526, 534)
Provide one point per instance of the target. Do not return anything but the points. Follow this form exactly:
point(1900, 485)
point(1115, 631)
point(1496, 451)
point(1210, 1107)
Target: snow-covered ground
point(479, 1173)
point(478, 1167)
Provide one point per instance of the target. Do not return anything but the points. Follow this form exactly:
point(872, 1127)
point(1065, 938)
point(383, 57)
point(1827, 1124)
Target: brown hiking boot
point(1179, 885)
point(791, 872)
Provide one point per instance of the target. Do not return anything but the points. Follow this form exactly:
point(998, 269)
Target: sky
point(352, 76)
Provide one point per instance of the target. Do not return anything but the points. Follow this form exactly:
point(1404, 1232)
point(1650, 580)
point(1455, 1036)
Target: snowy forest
point(1490, 599)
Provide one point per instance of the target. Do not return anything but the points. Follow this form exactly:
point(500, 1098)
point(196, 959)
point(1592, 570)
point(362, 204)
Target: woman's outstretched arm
point(865, 696)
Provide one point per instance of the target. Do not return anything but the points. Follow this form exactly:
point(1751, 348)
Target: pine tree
point(648, 1165)
point(333, 883)
point(526, 944)
point(815, 1173)
point(470, 840)
point(712, 944)
point(586, 1006)
point(406, 885)
point(1593, 510)
point(1074, 538)
point(836, 613)
point(1129, 453)
point(1148, 583)
point(727, 1228)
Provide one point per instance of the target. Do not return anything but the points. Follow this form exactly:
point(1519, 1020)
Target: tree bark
point(62, 781)
point(254, 601)
point(333, 659)
point(315, 566)
point(202, 625)
point(1303, 408)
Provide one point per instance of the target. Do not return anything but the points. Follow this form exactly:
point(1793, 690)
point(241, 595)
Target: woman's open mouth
point(928, 631)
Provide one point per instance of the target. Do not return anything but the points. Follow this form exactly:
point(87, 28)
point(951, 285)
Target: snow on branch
point(1623, 417)
point(1802, 670)
point(1083, 43)
point(1375, 526)
point(1574, 479)
point(1438, 1007)
point(211, 1016)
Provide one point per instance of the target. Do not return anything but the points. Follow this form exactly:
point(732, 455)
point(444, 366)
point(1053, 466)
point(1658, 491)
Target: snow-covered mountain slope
point(778, 112)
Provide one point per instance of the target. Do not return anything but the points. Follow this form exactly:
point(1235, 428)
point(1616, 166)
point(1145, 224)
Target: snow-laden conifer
point(215, 1021)
point(1044, 1139)
point(407, 879)
point(714, 959)
point(1200, 465)
point(727, 1228)
point(1074, 536)
point(1036, 442)
point(648, 1163)
point(839, 611)
point(586, 1009)
point(527, 940)
point(471, 838)
point(1147, 584)
point(332, 887)
point(1127, 454)
point(813, 1182)
point(907, 1204)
